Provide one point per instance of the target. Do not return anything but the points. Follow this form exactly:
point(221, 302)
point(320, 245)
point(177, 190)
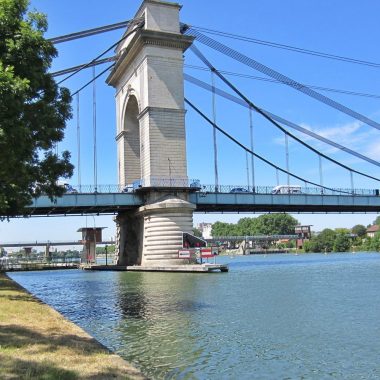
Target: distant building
point(304, 233)
point(371, 231)
point(205, 229)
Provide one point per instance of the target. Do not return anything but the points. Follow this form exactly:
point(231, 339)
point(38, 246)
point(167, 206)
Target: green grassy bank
point(36, 342)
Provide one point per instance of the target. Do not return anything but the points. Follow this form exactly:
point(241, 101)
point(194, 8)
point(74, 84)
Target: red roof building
point(371, 231)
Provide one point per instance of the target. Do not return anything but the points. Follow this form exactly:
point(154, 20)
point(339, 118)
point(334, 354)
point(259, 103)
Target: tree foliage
point(197, 232)
point(329, 241)
point(33, 110)
point(359, 230)
point(268, 224)
point(342, 242)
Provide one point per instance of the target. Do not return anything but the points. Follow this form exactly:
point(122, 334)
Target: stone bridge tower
point(148, 78)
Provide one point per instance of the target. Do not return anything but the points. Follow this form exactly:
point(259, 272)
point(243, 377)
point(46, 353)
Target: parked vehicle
point(287, 189)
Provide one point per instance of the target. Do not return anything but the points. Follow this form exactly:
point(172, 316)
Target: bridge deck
point(112, 203)
point(249, 202)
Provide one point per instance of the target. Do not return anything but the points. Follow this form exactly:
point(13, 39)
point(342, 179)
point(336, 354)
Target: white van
point(68, 188)
point(287, 189)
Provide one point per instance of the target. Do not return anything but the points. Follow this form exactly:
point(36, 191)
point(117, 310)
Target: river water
point(309, 316)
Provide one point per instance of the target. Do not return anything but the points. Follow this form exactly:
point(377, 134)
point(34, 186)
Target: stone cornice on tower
point(143, 38)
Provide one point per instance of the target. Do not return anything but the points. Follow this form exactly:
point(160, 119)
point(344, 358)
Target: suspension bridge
point(154, 200)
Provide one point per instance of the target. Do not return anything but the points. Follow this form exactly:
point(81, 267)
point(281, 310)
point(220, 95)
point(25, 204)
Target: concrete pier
point(195, 268)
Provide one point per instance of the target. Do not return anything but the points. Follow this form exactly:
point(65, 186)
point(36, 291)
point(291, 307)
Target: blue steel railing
point(195, 185)
point(302, 190)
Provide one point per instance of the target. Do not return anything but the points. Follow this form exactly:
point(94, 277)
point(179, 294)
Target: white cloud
point(351, 135)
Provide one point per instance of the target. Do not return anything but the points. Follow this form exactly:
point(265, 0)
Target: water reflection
point(168, 307)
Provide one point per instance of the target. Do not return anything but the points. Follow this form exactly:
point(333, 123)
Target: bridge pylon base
point(153, 235)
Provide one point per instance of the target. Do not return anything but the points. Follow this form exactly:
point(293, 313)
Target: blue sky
point(345, 28)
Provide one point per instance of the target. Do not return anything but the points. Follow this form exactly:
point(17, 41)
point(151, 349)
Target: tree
point(341, 230)
point(313, 245)
point(197, 232)
point(223, 229)
point(342, 242)
point(33, 111)
point(276, 224)
point(359, 230)
point(269, 224)
point(247, 227)
point(377, 221)
point(375, 242)
point(326, 240)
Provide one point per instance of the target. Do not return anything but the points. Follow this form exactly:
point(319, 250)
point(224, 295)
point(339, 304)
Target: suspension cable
point(138, 26)
point(252, 147)
point(267, 117)
point(255, 154)
point(78, 144)
point(286, 47)
point(216, 174)
point(90, 81)
point(320, 171)
point(94, 129)
point(279, 119)
point(247, 168)
point(254, 77)
point(240, 75)
point(287, 156)
point(282, 78)
point(89, 32)
point(74, 68)
point(352, 180)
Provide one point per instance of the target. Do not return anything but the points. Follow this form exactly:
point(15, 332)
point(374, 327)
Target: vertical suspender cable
point(214, 133)
point(287, 156)
point(277, 177)
point(252, 156)
point(320, 170)
point(94, 129)
point(352, 181)
point(247, 167)
point(78, 145)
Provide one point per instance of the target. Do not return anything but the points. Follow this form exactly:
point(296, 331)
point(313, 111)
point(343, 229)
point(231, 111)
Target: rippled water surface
point(270, 317)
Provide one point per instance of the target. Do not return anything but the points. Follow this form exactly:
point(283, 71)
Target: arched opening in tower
point(132, 166)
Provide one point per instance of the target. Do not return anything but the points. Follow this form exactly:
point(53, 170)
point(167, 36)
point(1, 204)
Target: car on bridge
point(127, 189)
point(68, 188)
point(239, 190)
point(196, 184)
point(287, 189)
